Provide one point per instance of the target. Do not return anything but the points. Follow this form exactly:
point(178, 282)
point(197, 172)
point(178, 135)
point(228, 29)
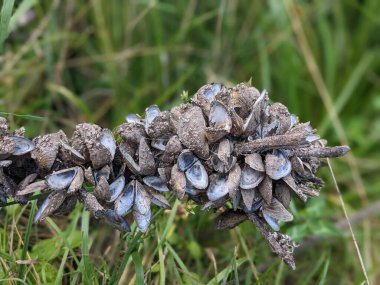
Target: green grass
point(98, 60)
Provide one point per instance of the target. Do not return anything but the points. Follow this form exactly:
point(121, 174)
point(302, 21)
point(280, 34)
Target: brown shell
point(191, 127)
point(265, 189)
point(243, 96)
point(46, 149)
point(161, 126)
point(177, 182)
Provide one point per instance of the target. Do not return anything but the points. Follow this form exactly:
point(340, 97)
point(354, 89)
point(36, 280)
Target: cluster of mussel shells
point(199, 150)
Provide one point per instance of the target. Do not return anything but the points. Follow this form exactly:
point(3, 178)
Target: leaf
point(194, 249)
point(47, 249)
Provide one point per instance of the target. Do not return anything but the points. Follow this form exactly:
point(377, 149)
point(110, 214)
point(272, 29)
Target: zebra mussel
point(227, 149)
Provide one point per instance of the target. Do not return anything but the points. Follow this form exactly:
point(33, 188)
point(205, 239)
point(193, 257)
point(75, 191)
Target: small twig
point(292, 140)
point(335, 151)
point(276, 247)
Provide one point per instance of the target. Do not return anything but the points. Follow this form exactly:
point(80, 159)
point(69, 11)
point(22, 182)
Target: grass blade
point(27, 238)
point(5, 16)
point(136, 259)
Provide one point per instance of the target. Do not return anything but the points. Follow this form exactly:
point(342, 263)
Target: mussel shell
point(142, 199)
point(50, 204)
point(185, 160)
point(68, 153)
point(177, 182)
point(221, 166)
point(101, 190)
point(46, 150)
point(219, 117)
point(126, 200)
point(142, 220)
point(161, 126)
point(156, 183)
point(128, 159)
point(32, 188)
point(191, 128)
point(218, 188)
point(172, 149)
point(277, 165)
point(233, 182)
point(271, 221)
point(242, 96)
point(159, 200)
point(197, 175)
point(116, 187)
point(77, 182)
point(255, 161)
point(5, 163)
point(250, 178)
point(282, 193)
point(212, 91)
point(66, 207)
point(131, 133)
point(116, 221)
point(192, 191)
point(255, 119)
point(151, 113)
point(277, 211)
point(108, 141)
point(146, 159)
point(265, 189)
point(159, 144)
point(61, 179)
point(134, 118)
point(91, 203)
point(214, 134)
point(22, 145)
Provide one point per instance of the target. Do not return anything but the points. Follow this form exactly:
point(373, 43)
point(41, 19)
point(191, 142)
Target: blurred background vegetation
point(66, 62)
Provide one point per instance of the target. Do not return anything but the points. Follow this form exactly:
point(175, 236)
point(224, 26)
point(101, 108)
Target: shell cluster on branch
point(228, 149)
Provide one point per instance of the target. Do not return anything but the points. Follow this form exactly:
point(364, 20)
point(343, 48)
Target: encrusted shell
point(191, 127)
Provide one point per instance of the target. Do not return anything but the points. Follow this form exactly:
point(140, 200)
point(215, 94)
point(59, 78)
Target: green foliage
point(95, 61)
